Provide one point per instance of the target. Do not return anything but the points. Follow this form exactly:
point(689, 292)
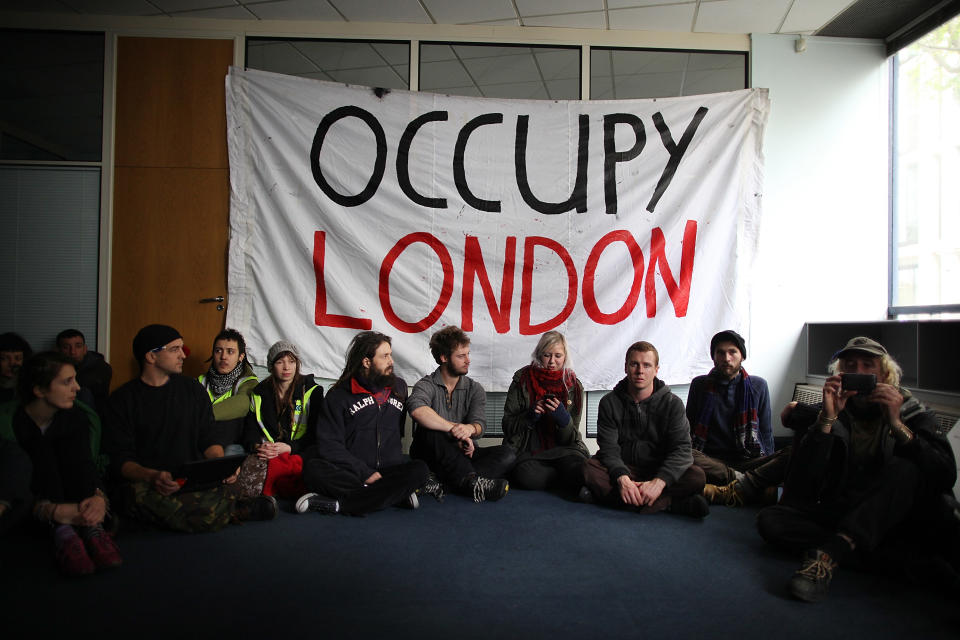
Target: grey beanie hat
point(279, 348)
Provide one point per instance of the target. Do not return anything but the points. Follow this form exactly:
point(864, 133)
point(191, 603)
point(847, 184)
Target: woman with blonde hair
point(541, 419)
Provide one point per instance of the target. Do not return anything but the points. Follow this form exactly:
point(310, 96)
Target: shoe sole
point(303, 502)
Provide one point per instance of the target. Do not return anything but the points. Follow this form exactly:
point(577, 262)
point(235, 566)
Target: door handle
point(215, 299)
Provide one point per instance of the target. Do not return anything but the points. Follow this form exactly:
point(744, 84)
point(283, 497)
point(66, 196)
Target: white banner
point(404, 212)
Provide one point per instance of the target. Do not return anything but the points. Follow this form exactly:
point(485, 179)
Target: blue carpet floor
point(531, 566)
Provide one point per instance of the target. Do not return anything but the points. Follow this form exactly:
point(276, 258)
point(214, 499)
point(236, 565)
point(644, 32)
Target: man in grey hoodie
point(645, 461)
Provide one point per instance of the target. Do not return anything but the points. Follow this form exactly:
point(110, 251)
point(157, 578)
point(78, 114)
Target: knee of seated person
point(768, 524)
point(530, 475)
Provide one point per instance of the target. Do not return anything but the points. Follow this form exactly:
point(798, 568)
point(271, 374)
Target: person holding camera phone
point(866, 472)
point(541, 419)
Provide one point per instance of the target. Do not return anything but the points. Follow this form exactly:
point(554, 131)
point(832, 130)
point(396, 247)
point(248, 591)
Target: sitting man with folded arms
point(229, 383)
point(155, 423)
point(729, 414)
point(448, 408)
point(644, 461)
point(868, 477)
point(359, 466)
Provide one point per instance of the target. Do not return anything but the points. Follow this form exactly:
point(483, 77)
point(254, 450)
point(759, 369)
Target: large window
point(371, 63)
point(51, 133)
point(619, 74)
point(925, 229)
point(501, 71)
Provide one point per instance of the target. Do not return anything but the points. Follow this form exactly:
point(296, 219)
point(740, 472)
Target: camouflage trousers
point(192, 512)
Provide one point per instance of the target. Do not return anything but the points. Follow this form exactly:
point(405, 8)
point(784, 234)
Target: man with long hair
point(866, 472)
point(360, 466)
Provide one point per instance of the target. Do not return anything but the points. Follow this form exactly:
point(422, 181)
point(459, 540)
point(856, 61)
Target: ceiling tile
point(436, 52)
point(629, 4)
point(503, 69)
point(565, 89)
point(35, 5)
point(809, 15)
point(279, 57)
point(114, 7)
point(664, 18)
point(172, 6)
point(393, 53)
point(512, 22)
point(340, 55)
point(294, 10)
point(376, 77)
point(467, 11)
point(223, 13)
point(440, 75)
point(595, 20)
point(550, 7)
point(382, 11)
point(741, 16)
point(697, 82)
point(556, 64)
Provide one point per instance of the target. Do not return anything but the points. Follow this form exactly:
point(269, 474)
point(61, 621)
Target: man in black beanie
point(730, 429)
point(155, 423)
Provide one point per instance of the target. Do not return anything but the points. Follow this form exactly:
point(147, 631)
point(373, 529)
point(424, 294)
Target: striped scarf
point(746, 428)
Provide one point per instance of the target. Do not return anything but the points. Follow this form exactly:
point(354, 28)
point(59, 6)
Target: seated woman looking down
point(281, 426)
point(541, 419)
point(55, 433)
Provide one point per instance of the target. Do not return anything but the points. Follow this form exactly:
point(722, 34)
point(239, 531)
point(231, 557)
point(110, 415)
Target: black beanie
point(729, 336)
point(153, 336)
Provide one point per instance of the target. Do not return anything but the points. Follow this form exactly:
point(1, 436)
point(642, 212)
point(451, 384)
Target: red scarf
point(562, 383)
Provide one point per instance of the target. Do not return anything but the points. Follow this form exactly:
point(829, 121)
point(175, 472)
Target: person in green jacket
point(229, 383)
point(541, 419)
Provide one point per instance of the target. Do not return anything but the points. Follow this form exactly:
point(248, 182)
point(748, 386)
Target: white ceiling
point(699, 16)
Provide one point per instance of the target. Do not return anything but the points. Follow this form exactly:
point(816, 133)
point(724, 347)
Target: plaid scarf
point(220, 383)
point(746, 428)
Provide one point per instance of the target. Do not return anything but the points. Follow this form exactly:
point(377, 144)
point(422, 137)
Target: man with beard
point(229, 383)
point(866, 474)
point(448, 408)
point(360, 465)
point(729, 414)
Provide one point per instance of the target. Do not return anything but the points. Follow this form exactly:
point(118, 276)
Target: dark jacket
point(652, 435)
point(820, 465)
point(94, 374)
point(262, 422)
point(518, 426)
point(356, 434)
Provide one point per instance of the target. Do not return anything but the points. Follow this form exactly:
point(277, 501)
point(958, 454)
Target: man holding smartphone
point(866, 472)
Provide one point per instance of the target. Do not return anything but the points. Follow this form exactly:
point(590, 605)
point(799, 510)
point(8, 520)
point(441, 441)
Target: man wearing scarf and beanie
point(155, 423)
point(732, 437)
point(228, 383)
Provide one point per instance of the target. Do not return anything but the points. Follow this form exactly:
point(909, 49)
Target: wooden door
point(171, 194)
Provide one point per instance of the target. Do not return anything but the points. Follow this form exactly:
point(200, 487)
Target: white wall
point(824, 234)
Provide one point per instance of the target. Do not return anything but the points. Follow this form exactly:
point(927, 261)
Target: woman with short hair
point(541, 419)
point(55, 431)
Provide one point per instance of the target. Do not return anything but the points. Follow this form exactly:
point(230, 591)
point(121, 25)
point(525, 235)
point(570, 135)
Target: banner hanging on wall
point(403, 212)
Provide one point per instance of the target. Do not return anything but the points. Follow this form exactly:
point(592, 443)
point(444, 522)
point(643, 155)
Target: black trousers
point(866, 515)
point(15, 474)
point(443, 455)
point(597, 478)
point(540, 474)
point(355, 497)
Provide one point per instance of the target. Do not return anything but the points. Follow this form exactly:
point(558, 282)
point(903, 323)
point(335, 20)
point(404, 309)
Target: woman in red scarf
point(541, 419)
